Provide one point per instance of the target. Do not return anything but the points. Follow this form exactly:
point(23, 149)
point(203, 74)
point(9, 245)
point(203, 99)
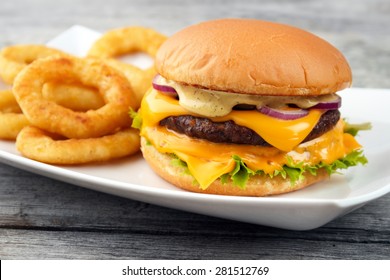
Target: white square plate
point(301, 210)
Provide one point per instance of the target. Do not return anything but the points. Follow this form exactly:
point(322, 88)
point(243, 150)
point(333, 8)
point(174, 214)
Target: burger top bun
point(253, 57)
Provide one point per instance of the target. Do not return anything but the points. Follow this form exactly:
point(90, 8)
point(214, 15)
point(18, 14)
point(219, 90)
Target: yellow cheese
point(282, 134)
point(208, 162)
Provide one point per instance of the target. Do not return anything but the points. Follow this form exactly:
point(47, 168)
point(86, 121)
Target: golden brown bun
point(256, 186)
point(254, 57)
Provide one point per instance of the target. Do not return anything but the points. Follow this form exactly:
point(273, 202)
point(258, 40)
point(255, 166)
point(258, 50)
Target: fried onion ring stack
point(67, 110)
point(13, 59)
point(60, 135)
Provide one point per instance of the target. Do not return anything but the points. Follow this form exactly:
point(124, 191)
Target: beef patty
point(229, 132)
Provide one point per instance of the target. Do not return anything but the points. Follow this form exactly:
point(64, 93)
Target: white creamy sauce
point(212, 103)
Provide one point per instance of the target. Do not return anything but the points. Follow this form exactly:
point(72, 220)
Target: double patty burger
point(246, 107)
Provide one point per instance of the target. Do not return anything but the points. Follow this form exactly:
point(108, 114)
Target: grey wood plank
point(45, 208)
point(113, 245)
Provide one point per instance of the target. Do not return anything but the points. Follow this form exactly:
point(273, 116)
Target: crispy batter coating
point(40, 145)
point(50, 116)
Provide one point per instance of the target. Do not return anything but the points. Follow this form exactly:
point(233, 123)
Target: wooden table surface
point(41, 218)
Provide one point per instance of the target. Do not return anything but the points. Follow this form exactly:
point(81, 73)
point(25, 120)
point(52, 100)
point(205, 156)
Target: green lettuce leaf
point(353, 129)
point(241, 173)
point(295, 172)
point(292, 171)
point(176, 161)
point(137, 119)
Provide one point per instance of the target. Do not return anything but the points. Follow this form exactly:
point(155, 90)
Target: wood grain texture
point(44, 218)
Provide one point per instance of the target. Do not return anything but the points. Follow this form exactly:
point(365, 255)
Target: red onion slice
point(163, 88)
point(329, 105)
point(283, 114)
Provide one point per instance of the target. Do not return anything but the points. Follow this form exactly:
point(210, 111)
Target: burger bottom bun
point(257, 185)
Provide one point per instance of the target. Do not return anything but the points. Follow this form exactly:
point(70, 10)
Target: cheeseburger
point(246, 107)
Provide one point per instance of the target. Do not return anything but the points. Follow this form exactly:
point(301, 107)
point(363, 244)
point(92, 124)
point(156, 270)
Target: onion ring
point(127, 40)
point(11, 119)
point(14, 58)
point(39, 145)
point(73, 96)
point(45, 114)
